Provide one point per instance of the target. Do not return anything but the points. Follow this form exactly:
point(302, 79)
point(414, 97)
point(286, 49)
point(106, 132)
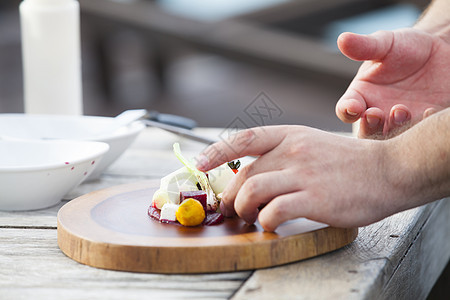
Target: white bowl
point(88, 128)
point(37, 174)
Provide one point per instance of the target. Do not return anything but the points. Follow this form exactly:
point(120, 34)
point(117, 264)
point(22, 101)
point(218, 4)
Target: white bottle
point(51, 56)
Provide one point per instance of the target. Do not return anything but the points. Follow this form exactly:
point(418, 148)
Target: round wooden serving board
point(110, 229)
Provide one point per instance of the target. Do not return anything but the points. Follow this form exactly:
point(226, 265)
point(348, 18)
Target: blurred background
point(210, 60)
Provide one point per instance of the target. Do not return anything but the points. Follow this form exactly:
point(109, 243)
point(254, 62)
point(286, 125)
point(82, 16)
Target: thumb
point(366, 47)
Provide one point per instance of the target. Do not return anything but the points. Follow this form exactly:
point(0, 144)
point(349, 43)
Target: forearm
point(420, 160)
point(436, 19)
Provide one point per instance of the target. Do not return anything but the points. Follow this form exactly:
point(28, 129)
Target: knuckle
point(246, 139)
point(250, 189)
point(282, 211)
point(248, 134)
point(246, 171)
point(278, 209)
point(242, 139)
point(297, 149)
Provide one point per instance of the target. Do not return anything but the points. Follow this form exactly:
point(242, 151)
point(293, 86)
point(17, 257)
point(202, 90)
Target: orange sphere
point(190, 213)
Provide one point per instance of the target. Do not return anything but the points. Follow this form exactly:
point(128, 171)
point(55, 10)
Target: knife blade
point(179, 131)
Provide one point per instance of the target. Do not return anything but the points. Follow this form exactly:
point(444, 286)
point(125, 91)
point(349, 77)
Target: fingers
point(259, 190)
point(265, 163)
point(268, 163)
point(399, 115)
point(253, 141)
point(399, 119)
point(283, 208)
point(372, 124)
point(428, 112)
point(350, 107)
point(365, 47)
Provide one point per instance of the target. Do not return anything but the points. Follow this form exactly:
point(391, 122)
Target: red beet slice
point(213, 219)
point(154, 213)
point(197, 195)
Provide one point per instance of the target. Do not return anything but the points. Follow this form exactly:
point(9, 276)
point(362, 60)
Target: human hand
point(404, 79)
point(304, 172)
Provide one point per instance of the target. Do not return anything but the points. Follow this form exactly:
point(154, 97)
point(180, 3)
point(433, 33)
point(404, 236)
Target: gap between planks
point(27, 227)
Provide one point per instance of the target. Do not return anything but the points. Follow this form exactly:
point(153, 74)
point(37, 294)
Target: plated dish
point(190, 197)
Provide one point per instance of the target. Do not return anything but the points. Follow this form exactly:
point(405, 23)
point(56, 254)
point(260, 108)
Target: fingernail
point(351, 113)
point(428, 112)
point(400, 116)
point(202, 162)
point(373, 121)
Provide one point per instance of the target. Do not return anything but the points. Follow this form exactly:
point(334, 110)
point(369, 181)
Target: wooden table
point(400, 257)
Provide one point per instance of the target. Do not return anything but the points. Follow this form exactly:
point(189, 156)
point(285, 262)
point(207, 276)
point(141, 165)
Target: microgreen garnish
point(235, 164)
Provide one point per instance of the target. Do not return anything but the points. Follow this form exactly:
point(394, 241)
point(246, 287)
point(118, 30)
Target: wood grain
point(418, 269)
point(110, 229)
point(395, 258)
point(33, 267)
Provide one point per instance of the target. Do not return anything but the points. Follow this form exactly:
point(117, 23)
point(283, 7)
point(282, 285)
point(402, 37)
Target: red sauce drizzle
point(211, 219)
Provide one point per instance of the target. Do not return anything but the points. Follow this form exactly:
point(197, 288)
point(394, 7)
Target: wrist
point(443, 32)
point(418, 161)
point(435, 20)
point(402, 174)
point(398, 182)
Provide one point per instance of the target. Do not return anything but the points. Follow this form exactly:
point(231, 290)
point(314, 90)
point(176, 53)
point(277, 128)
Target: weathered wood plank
point(33, 267)
point(424, 260)
point(38, 218)
point(360, 270)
